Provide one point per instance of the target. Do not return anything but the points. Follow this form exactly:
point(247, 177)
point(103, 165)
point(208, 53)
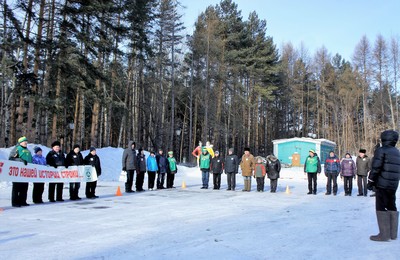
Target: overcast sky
point(336, 24)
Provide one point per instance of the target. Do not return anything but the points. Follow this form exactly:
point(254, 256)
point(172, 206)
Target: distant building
point(294, 151)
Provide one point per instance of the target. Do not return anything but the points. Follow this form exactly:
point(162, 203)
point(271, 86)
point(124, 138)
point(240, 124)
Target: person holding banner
point(74, 158)
point(56, 158)
point(38, 187)
point(92, 159)
point(20, 189)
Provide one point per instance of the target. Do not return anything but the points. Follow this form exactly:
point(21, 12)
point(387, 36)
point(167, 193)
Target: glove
point(25, 162)
point(124, 169)
point(370, 185)
point(354, 177)
point(326, 175)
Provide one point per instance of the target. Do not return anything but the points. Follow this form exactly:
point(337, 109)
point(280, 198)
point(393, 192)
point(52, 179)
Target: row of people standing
point(155, 164)
point(54, 158)
point(250, 167)
point(347, 169)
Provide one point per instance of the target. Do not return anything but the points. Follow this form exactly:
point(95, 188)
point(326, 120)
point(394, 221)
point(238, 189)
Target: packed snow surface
point(191, 223)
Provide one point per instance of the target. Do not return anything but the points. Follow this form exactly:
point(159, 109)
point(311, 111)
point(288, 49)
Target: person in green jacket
point(312, 167)
point(20, 189)
point(172, 169)
point(205, 161)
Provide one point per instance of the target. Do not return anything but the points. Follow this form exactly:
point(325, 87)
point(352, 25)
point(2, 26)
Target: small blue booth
point(294, 151)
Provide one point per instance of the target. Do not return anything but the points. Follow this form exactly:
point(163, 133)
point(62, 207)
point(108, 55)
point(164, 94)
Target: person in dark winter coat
point(363, 166)
point(74, 158)
point(259, 173)
point(385, 176)
point(56, 158)
point(273, 171)
point(348, 172)
point(38, 187)
point(162, 164)
point(205, 163)
point(19, 191)
point(312, 167)
point(217, 167)
point(141, 170)
point(92, 159)
point(152, 168)
point(129, 164)
point(332, 169)
point(172, 169)
point(231, 169)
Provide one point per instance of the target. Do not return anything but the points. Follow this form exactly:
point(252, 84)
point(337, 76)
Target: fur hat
point(363, 151)
point(247, 149)
point(55, 143)
point(92, 148)
point(76, 146)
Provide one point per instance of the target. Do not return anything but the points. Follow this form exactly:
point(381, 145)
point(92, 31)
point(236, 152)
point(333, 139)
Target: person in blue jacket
point(332, 169)
point(152, 168)
point(38, 187)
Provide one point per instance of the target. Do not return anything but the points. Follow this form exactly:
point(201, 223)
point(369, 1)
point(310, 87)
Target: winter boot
point(394, 224)
point(245, 185)
point(383, 218)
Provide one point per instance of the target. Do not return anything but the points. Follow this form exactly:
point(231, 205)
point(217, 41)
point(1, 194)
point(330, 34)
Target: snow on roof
point(303, 139)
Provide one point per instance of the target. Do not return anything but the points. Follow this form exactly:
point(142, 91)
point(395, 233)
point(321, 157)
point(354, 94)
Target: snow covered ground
point(190, 223)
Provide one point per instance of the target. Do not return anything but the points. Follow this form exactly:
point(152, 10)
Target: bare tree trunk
point(31, 110)
point(21, 109)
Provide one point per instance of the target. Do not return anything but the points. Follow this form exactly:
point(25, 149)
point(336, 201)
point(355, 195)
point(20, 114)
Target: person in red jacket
point(197, 152)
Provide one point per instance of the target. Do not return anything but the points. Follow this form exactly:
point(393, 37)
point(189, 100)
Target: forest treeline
point(100, 73)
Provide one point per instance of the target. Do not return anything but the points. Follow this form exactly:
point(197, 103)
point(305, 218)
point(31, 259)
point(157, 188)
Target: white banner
point(15, 171)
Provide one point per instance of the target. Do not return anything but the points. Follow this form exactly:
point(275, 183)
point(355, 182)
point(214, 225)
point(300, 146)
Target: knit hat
point(76, 146)
point(92, 149)
point(216, 152)
point(55, 143)
point(152, 152)
point(311, 151)
point(170, 152)
point(37, 149)
point(231, 150)
point(22, 139)
point(347, 154)
point(363, 151)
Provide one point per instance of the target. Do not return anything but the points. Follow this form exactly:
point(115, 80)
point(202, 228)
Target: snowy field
point(190, 223)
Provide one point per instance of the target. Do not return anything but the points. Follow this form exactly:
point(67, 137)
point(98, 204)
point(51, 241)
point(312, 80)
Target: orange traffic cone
point(287, 189)
point(119, 193)
point(183, 184)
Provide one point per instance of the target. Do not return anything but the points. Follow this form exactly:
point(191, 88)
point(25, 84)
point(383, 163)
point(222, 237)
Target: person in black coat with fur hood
point(385, 176)
point(273, 171)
